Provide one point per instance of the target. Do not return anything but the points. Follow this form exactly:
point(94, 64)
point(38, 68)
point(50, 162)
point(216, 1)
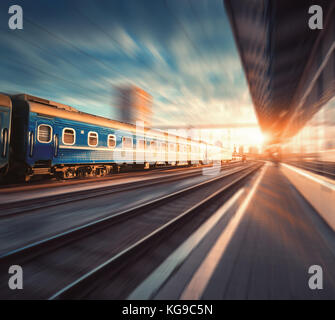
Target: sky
point(77, 52)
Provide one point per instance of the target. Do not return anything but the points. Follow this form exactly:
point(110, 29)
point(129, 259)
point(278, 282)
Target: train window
point(92, 139)
point(44, 133)
point(111, 141)
point(140, 144)
point(127, 143)
point(153, 145)
point(69, 136)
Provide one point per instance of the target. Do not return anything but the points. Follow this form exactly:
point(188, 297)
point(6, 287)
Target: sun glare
point(250, 137)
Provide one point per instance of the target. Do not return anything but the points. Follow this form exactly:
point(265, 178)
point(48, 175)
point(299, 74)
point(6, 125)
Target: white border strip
point(197, 285)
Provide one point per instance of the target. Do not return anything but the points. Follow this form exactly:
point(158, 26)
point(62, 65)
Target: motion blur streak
point(200, 279)
point(181, 52)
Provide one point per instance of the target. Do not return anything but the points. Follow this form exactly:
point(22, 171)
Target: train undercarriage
point(22, 173)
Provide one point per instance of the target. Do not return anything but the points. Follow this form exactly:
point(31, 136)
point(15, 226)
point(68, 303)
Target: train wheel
point(116, 169)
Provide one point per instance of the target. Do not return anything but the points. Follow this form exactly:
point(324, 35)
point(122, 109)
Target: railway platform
point(266, 254)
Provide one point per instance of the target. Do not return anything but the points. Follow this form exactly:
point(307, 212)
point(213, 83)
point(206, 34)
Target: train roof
point(5, 101)
point(55, 109)
point(54, 104)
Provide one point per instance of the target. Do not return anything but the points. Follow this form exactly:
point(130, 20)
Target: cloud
point(182, 52)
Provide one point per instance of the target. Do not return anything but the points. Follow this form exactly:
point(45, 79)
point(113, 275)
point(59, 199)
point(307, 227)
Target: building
point(135, 105)
point(253, 150)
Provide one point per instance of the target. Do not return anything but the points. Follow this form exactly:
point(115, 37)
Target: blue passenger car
point(56, 139)
point(51, 138)
point(5, 127)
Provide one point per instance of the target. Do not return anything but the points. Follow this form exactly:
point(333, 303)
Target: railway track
point(86, 251)
point(27, 205)
point(53, 182)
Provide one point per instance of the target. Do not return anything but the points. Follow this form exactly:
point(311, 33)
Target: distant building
point(253, 150)
point(241, 150)
point(135, 105)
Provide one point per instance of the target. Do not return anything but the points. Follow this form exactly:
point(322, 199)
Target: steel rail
point(80, 285)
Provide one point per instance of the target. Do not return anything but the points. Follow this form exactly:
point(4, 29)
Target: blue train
point(42, 137)
point(5, 130)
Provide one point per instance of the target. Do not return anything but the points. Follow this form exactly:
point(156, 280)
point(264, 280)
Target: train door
point(44, 145)
point(204, 153)
point(164, 152)
point(189, 153)
point(177, 152)
point(5, 118)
